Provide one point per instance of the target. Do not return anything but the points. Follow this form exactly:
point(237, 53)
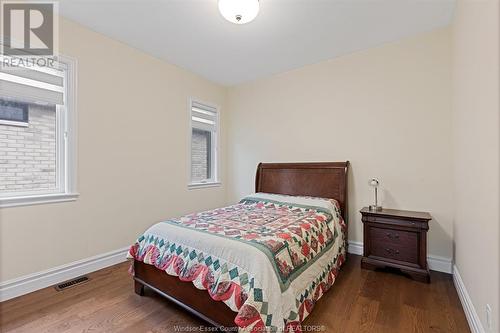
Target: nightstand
point(396, 238)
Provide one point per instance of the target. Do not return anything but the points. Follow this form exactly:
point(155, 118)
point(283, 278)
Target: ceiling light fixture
point(239, 11)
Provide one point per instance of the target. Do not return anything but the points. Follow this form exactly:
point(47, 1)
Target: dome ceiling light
point(239, 11)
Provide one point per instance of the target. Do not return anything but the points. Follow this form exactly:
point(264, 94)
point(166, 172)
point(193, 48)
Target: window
point(13, 113)
point(37, 140)
point(203, 147)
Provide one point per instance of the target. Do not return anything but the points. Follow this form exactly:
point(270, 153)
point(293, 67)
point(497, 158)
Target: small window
point(203, 148)
point(13, 113)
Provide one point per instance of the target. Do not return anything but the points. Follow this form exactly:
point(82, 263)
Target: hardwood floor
point(360, 301)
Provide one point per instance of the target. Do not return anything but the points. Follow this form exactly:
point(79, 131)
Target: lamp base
point(375, 208)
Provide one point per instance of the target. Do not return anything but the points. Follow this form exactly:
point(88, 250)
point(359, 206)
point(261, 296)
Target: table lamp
point(375, 183)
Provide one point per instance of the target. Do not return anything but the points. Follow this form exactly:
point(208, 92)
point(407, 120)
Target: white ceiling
point(286, 34)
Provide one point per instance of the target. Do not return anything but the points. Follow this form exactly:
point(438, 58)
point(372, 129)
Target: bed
point(259, 265)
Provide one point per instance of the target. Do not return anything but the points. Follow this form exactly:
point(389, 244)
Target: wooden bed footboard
point(185, 294)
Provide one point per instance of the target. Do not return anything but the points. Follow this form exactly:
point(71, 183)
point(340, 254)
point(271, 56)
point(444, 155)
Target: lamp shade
point(239, 11)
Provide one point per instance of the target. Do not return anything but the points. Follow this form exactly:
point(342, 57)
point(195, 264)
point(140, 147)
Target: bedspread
point(269, 257)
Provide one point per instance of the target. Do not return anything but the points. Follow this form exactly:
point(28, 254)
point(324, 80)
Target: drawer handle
point(391, 251)
point(392, 236)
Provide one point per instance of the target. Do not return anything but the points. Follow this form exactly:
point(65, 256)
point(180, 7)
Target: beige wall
point(475, 106)
point(386, 109)
point(132, 158)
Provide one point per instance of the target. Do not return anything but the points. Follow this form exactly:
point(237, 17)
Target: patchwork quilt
point(269, 257)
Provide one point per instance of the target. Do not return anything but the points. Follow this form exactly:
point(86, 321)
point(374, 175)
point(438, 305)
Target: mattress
point(269, 258)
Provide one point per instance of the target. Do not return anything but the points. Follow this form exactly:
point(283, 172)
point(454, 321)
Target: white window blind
point(33, 84)
point(203, 117)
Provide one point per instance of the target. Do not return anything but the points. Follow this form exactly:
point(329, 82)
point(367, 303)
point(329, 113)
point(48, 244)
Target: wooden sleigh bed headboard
point(323, 179)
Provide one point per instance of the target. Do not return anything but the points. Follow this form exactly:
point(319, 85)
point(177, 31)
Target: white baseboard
point(436, 263)
point(355, 247)
point(440, 264)
point(470, 312)
point(29, 283)
point(32, 282)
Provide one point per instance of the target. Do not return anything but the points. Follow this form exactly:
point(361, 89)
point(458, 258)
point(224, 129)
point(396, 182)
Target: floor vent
point(72, 283)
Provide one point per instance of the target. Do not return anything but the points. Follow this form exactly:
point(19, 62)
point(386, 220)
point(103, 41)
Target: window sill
point(37, 199)
point(14, 123)
point(193, 186)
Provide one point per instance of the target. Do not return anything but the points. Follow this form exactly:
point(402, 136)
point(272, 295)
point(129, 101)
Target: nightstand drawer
point(393, 236)
point(394, 244)
point(396, 222)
